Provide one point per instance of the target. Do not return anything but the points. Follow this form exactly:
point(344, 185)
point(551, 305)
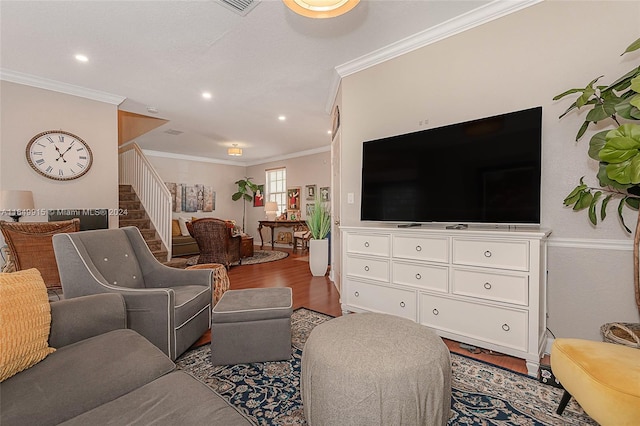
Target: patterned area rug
point(259, 256)
point(482, 394)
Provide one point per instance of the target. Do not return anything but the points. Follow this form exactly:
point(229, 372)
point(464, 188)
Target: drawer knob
point(418, 276)
point(402, 305)
point(418, 248)
point(366, 243)
point(506, 327)
point(487, 286)
point(366, 268)
point(356, 294)
point(487, 253)
point(435, 312)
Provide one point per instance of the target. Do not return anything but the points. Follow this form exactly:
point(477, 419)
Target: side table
point(246, 247)
point(220, 279)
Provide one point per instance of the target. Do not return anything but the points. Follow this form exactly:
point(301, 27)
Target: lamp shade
point(16, 200)
point(14, 203)
point(271, 209)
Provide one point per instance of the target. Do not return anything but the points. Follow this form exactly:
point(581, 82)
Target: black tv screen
point(480, 171)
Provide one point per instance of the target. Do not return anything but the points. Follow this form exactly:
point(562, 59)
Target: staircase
point(137, 216)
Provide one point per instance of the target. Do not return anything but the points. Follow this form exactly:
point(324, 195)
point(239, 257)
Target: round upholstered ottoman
point(375, 369)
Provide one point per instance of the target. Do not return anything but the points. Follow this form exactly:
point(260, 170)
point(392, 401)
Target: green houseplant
point(246, 191)
point(319, 224)
point(616, 149)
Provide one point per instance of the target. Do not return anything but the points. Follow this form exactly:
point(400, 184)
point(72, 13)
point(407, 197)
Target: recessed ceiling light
point(282, 118)
point(81, 58)
point(328, 132)
point(206, 95)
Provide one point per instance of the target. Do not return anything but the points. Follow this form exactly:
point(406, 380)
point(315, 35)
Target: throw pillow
point(25, 316)
point(183, 227)
point(175, 228)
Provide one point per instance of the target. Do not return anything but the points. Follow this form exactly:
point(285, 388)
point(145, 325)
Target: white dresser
point(482, 286)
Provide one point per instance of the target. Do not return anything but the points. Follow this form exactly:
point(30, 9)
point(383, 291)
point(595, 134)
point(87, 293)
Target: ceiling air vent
point(173, 132)
point(241, 7)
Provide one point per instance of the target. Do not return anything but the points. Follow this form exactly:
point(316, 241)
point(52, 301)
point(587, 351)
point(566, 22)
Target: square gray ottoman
point(252, 325)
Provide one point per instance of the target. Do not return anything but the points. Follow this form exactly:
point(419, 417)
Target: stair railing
point(135, 169)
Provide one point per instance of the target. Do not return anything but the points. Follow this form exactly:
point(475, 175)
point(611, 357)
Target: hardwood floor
point(319, 294)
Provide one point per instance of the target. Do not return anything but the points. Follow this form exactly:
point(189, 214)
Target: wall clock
point(59, 155)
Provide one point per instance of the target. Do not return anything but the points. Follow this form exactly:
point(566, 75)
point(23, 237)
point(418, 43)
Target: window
point(277, 187)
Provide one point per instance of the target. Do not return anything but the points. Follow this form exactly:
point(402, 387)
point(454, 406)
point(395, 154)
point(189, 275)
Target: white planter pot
point(318, 257)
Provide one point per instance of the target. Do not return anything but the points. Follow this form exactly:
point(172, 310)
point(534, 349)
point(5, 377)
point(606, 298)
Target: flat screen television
point(482, 171)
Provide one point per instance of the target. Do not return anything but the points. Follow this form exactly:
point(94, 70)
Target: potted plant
point(244, 186)
point(616, 149)
point(319, 224)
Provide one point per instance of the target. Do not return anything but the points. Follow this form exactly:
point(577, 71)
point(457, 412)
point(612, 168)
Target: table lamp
point(271, 209)
point(15, 202)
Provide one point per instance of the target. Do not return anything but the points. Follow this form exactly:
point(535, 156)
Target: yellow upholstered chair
point(604, 378)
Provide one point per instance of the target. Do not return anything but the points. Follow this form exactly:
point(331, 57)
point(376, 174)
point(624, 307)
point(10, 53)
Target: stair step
point(155, 244)
point(130, 205)
point(125, 188)
point(138, 223)
point(133, 214)
point(148, 234)
point(161, 255)
point(126, 196)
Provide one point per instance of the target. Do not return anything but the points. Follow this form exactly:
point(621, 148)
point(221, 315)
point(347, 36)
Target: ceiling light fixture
point(320, 9)
point(235, 151)
point(82, 58)
point(206, 95)
point(282, 118)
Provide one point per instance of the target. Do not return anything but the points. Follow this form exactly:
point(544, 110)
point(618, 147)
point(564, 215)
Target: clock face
point(59, 155)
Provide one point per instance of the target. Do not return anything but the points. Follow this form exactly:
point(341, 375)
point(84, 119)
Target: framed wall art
point(310, 190)
point(293, 198)
point(258, 196)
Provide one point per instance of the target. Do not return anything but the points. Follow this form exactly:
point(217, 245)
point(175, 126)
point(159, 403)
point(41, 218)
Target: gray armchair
point(170, 307)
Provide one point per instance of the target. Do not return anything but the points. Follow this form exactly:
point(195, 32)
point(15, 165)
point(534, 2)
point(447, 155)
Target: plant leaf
point(585, 200)
point(592, 208)
point(633, 202)
point(623, 82)
point(568, 92)
point(582, 129)
point(635, 101)
point(236, 196)
point(620, 206)
point(596, 143)
point(635, 84)
point(603, 206)
point(633, 46)
point(584, 98)
point(602, 111)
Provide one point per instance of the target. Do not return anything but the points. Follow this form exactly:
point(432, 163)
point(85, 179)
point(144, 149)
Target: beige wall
point(516, 62)
point(26, 111)
point(301, 171)
point(219, 176)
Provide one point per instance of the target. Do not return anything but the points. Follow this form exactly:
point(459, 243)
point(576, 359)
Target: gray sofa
point(104, 373)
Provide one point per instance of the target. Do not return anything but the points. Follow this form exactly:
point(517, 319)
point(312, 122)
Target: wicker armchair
point(30, 246)
point(301, 237)
point(216, 241)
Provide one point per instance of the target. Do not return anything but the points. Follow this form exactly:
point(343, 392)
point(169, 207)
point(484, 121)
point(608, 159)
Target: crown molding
point(163, 154)
point(57, 86)
point(486, 13)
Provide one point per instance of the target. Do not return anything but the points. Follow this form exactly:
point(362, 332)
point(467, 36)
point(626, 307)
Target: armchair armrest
point(163, 276)
point(77, 319)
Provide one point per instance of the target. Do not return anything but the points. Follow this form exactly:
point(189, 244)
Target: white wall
point(516, 62)
point(26, 111)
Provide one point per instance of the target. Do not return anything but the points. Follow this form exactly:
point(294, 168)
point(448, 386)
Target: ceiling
point(164, 54)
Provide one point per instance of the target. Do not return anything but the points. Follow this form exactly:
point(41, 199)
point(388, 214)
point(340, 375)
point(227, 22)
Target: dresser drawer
point(366, 267)
point(371, 244)
point(389, 300)
point(430, 277)
point(492, 253)
point(509, 288)
point(501, 326)
point(421, 248)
